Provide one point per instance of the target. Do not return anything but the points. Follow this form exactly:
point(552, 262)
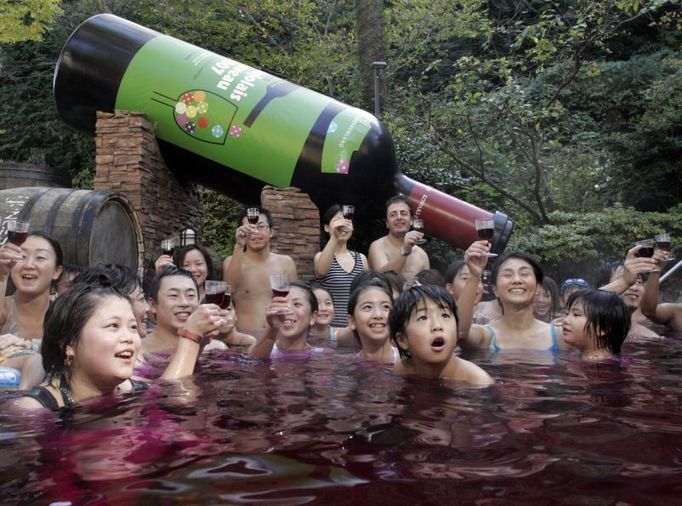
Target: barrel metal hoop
point(54, 210)
point(25, 213)
point(73, 251)
point(92, 208)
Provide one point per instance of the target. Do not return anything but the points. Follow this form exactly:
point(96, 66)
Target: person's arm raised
point(379, 260)
point(632, 268)
point(206, 319)
point(10, 254)
point(162, 262)
point(274, 316)
point(470, 336)
point(650, 307)
point(323, 259)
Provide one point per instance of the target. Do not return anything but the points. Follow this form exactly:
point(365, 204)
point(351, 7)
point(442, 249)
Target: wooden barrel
point(92, 227)
point(17, 175)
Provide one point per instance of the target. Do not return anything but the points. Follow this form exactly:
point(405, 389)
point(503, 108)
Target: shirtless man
point(628, 281)
point(248, 272)
point(398, 250)
point(173, 297)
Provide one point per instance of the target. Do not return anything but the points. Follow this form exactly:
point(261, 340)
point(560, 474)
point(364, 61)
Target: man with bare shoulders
point(248, 271)
point(398, 250)
point(173, 297)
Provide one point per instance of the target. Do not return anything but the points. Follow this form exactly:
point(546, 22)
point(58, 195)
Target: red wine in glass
point(646, 248)
point(486, 233)
point(225, 301)
point(215, 298)
point(348, 212)
point(252, 214)
point(646, 252)
point(662, 245)
point(17, 238)
point(280, 292)
point(485, 229)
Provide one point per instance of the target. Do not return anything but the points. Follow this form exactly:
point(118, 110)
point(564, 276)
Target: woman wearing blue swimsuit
point(516, 278)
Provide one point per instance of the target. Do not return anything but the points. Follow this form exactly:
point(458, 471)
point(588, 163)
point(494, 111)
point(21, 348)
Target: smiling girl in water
point(368, 309)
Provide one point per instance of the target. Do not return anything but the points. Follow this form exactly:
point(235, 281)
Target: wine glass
point(485, 228)
point(348, 212)
point(646, 248)
point(168, 247)
point(663, 243)
point(252, 214)
point(279, 284)
point(418, 225)
point(218, 292)
point(17, 231)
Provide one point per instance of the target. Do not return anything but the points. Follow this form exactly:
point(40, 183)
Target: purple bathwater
point(329, 430)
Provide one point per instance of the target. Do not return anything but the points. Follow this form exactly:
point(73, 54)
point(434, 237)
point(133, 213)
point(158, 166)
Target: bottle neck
point(449, 218)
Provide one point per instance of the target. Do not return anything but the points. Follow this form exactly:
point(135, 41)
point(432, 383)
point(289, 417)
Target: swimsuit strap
point(138, 386)
point(555, 342)
point(356, 255)
point(43, 396)
point(493, 343)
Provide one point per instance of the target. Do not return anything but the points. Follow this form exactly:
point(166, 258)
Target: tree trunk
point(370, 23)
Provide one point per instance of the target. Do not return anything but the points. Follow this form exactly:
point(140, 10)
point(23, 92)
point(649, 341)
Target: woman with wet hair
point(91, 343)
point(516, 279)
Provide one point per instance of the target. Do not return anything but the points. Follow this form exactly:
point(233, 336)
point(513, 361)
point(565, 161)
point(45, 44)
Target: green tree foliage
point(22, 20)
point(508, 98)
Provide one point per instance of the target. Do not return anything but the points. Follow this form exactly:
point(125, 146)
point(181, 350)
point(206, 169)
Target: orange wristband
point(196, 338)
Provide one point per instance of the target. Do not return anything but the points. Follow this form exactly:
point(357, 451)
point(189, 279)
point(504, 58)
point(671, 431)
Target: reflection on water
point(330, 430)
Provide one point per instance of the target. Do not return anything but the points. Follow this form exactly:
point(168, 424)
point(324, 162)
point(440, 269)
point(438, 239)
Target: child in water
point(424, 328)
point(597, 323)
point(322, 333)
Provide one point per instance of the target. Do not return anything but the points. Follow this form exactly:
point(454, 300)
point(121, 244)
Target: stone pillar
point(129, 161)
point(297, 226)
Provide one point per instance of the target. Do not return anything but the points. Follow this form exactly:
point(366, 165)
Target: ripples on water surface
point(328, 430)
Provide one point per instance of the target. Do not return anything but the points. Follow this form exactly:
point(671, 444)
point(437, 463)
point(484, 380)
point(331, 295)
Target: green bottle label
point(233, 114)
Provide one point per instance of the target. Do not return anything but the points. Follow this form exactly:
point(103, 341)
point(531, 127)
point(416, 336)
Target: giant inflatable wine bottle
point(236, 128)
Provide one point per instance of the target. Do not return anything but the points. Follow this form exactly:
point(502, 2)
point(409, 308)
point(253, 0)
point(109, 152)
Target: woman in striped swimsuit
point(336, 266)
